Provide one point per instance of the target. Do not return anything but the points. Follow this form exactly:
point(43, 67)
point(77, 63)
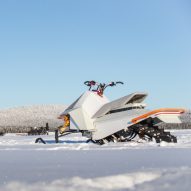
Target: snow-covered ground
point(74, 164)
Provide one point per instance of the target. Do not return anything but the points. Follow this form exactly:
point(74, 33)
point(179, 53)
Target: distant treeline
point(175, 126)
point(24, 129)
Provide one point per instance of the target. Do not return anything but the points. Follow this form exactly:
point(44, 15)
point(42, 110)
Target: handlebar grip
point(90, 83)
point(87, 83)
point(119, 83)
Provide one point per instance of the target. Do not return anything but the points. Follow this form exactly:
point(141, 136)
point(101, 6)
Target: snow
point(74, 164)
point(126, 181)
point(158, 180)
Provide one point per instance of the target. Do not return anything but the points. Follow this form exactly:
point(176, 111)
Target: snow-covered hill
point(39, 115)
point(31, 116)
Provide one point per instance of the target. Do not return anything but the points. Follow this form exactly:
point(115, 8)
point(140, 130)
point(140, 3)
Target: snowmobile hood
point(90, 102)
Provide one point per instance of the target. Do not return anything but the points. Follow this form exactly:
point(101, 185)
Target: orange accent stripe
point(155, 112)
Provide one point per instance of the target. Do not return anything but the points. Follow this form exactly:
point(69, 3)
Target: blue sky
point(49, 48)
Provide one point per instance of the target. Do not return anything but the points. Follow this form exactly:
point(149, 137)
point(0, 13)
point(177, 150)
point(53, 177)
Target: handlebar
point(100, 86)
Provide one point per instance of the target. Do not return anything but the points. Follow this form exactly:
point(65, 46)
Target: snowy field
point(74, 164)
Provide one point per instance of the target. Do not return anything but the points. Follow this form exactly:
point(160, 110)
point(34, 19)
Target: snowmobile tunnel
point(119, 103)
point(158, 112)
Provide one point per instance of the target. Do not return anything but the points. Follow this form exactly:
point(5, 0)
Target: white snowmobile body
point(100, 118)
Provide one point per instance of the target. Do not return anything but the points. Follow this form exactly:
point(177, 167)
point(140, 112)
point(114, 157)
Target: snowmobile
point(121, 120)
